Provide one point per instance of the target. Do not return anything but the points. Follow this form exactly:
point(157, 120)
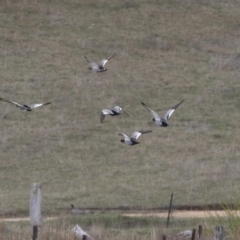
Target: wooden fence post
point(193, 234)
point(35, 209)
point(219, 233)
point(84, 237)
point(199, 231)
point(169, 209)
point(164, 237)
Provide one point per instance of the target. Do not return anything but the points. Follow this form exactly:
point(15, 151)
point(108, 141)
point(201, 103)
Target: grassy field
point(166, 51)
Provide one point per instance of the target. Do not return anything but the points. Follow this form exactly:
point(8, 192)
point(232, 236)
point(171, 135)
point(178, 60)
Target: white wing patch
point(136, 135)
point(94, 66)
point(170, 111)
point(17, 104)
point(157, 118)
point(36, 105)
point(168, 114)
point(103, 62)
point(107, 111)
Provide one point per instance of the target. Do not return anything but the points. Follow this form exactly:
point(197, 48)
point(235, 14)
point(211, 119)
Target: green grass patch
point(165, 52)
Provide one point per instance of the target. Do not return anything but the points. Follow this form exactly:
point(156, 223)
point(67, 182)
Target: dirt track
point(23, 219)
point(184, 214)
point(175, 214)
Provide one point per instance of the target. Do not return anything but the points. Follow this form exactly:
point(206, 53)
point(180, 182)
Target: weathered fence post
point(169, 209)
point(193, 234)
point(84, 237)
point(219, 233)
point(164, 237)
point(199, 231)
point(35, 209)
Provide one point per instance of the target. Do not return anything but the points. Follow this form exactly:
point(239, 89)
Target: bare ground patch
point(174, 214)
point(184, 214)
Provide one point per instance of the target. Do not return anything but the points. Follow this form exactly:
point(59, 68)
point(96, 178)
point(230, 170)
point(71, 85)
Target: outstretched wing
point(136, 135)
point(126, 138)
point(87, 59)
point(103, 113)
point(104, 61)
point(125, 112)
point(170, 111)
point(111, 56)
point(15, 103)
point(38, 105)
point(155, 115)
point(107, 112)
point(93, 64)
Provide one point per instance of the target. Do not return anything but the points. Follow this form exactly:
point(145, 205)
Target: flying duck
point(99, 67)
point(113, 112)
point(133, 139)
point(23, 106)
point(162, 122)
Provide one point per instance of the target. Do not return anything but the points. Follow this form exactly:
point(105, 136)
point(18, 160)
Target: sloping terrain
point(166, 51)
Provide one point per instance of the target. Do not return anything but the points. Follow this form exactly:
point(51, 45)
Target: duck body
point(112, 112)
point(162, 122)
point(99, 67)
point(25, 107)
point(131, 141)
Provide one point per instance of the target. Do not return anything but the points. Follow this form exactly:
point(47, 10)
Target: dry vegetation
point(106, 227)
point(166, 51)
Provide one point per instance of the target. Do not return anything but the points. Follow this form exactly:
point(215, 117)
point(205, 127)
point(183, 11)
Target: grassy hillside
point(166, 51)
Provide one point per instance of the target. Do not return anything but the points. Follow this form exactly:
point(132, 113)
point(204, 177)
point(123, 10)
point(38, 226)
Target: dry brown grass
point(62, 230)
point(166, 51)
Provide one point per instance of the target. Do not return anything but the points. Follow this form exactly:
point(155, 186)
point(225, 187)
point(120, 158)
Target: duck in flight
point(99, 67)
point(113, 112)
point(162, 122)
point(25, 107)
point(133, 139)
